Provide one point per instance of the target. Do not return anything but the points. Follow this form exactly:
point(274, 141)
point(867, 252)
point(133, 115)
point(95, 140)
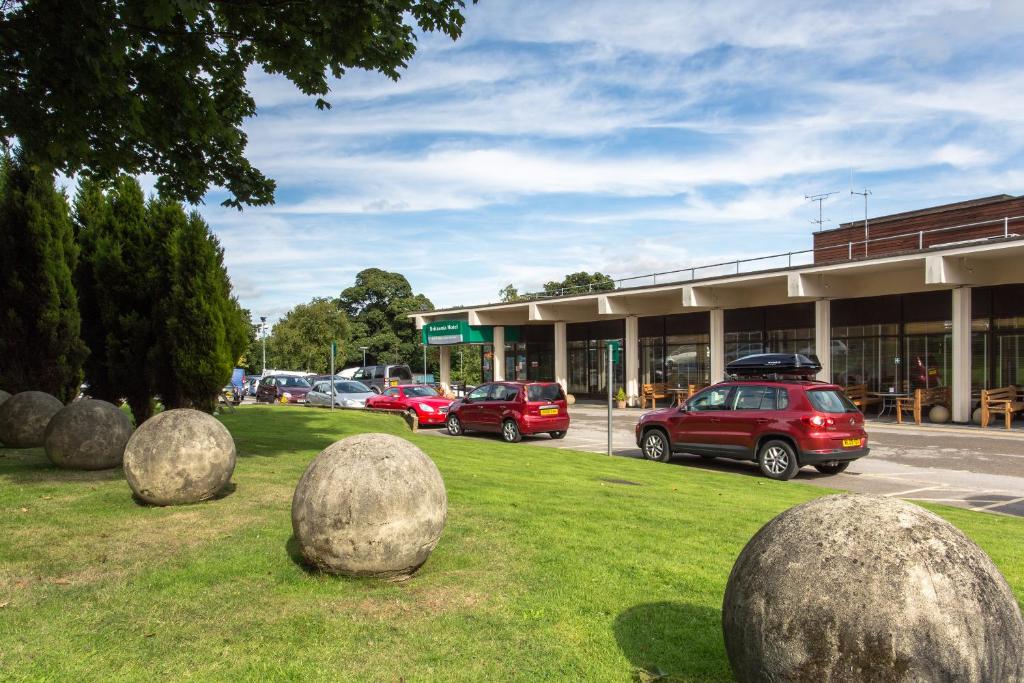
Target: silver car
point(347, 394)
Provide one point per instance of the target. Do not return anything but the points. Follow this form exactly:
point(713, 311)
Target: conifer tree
point(40, 344)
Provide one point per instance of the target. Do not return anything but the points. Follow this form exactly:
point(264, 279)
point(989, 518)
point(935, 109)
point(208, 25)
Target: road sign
point(614, 346)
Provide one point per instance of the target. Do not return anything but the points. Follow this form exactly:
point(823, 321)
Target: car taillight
point(818, 421)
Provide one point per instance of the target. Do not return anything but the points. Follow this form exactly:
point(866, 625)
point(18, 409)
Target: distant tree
point(378, 305)
point(580, 282)
point(302, 338)
point(509, 294)
point(159, 86)
point(40, 325)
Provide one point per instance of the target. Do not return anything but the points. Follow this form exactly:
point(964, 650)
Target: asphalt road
point(962, 466)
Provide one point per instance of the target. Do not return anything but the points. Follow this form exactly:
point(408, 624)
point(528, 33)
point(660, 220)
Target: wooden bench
point(652, 392)
point(935, 396)
point(1005, 400)
point(858, 395)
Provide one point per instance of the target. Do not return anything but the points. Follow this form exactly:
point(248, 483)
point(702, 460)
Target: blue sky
point(627, 138)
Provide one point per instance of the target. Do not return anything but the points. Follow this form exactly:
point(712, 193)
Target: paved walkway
point(957, 465)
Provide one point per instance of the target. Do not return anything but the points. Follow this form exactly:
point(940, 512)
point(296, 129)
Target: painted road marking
point(909, 491)
point(999, 504)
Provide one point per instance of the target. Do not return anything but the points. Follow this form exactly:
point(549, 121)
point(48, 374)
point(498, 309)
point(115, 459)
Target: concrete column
point(717, 333)
point(499, 353)
point(561, 357)
point(445, 361)
point(632, 357)
point(823, 337)
point(961, 391)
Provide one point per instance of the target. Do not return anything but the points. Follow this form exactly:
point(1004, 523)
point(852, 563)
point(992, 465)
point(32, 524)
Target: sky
point(627, 138)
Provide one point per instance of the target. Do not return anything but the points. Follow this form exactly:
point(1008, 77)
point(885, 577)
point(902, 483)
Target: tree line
point(128, 294)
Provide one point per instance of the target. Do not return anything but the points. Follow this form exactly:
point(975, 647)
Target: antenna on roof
point(865, 194)
point(820, 198)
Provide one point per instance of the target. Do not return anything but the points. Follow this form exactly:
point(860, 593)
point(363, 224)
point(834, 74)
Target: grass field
point(554, 565)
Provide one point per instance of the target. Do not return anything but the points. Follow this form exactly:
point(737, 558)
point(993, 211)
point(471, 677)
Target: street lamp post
point(263, 336)
point(364, 349)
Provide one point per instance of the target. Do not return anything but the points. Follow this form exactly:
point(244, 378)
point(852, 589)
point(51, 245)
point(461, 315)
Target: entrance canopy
point(446, 332)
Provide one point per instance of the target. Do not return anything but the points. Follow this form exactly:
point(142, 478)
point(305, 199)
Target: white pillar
point(961, 391)
point(561, 357)
point(499, 353)
point(632, 358)
point(823, 337)
point(717, 333)
point(445, 361)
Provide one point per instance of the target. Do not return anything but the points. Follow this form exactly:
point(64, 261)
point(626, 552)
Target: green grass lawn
point(551, 567)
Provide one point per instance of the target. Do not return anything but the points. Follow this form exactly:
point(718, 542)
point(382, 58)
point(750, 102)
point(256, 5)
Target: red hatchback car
point(429, 407)
point(511, 409)
point(779, 424)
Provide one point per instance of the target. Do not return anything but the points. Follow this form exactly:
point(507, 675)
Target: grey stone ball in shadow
point(179, 456)
point(3, 396)
point(88, 435)
point(866, 588)
point(369, 505)
point(24, 417)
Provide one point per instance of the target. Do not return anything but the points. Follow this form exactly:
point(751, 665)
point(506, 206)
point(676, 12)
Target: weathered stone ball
point(976, 416)
point(88, 435)
point(179, 456)
point(24, 416)
point(3, 396)
point(570, 399)
point(866, 588)
point(939, 414)
point(369, 505)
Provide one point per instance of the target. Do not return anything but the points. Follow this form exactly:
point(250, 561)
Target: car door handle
point(762, 420)
point(715, 419)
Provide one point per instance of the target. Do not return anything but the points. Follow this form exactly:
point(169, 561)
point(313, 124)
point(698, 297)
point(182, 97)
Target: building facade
point(925, 298)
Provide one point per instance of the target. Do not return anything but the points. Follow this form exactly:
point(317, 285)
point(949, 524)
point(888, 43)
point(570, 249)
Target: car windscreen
point(399, 372)
point(351, 388)
point(544, 392)
point(293, 382)
point(830, 401)
point(413, 392)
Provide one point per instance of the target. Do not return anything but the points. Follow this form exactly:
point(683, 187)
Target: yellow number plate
point(851, 442)
point(549, 411)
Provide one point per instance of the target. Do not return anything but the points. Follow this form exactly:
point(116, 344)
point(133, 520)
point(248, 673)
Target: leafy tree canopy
point(578, 283)
point(378, 304)
point(101, 87)
point(509, 293)
point(302, 339)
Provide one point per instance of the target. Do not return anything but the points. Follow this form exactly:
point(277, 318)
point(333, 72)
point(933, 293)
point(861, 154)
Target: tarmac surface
point(965, 466)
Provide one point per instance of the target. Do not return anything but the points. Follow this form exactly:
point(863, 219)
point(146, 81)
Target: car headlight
point(286, 395)
point(426, 408)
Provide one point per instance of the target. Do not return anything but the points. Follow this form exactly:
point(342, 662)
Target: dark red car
point(429, 407)
point(511, 409)
point(779, 424)
point(282, 389)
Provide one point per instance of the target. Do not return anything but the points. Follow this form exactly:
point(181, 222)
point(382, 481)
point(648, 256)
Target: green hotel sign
point(442, 332)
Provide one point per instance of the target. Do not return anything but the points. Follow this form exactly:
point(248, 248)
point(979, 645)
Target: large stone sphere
point(939, 414)
point(866, 588)
point(3, 396)
point(88, 435)
point(369, 505)
point(179, 456)
point(976, 416)
point(24, 416)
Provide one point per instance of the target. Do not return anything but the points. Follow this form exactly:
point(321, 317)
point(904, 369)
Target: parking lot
point(961, 466)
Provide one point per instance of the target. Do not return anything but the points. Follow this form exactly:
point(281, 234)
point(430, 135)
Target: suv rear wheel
point(777, 460)
point(832, 467)
point(510, 432)
point(454, 425)
point(656, 446)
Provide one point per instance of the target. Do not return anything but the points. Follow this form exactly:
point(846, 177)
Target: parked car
point(238, 382)
point(512, 409)
point(381, 377)
point(347, 394)
point(282, 389)
point(251, 384)
point(423, 401)
point(781, 424)
point(231, 394)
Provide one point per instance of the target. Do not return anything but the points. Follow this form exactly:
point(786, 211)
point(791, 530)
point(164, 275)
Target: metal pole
point(333, 344)
point(363, 349)
point(263, 336)
point(609, 399)
point(424, 363)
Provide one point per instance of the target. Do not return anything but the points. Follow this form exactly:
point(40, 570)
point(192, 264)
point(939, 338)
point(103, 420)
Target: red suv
point(779, 424)
point(512, 409)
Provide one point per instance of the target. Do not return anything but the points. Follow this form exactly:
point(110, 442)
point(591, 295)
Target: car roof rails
point(774, 365)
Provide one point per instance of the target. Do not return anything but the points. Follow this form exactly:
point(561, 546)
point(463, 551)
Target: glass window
point(740, 344)
point(378, 372)
point(487, 363)
point(501, 392)
point(392, 393)
point(578, 367)
point(1009, 323)
point(687, 360)
point(350, 388)
point(748, 398)
point(869, 360)
point(320, 387)
point(480, 393)
point(400, 372)
point(710, 399)
point(830, 401)
point(1010, 360)
point(418, 392)
point(652, 360)
point(544, 392)
point(292, 382)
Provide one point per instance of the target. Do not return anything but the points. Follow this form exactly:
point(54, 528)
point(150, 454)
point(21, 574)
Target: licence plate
point(849, 443)
point(549, 411)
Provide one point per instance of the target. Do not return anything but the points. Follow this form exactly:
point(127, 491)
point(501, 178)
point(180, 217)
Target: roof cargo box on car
point(775, 364)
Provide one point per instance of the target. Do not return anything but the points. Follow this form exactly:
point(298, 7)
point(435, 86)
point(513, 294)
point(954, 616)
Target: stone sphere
point(570, 399)
point(866, 588)
point(369, 505)
point(976, 416)
point(24, 416)
point(939, 414)
point(3, 396)
point(179, 456)
point(88, 435)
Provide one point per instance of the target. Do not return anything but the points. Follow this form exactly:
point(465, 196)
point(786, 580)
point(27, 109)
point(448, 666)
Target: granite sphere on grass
point(369, 505)
point(24, 417)
point(88, 435)
point(179, 456)
point(862, 588)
